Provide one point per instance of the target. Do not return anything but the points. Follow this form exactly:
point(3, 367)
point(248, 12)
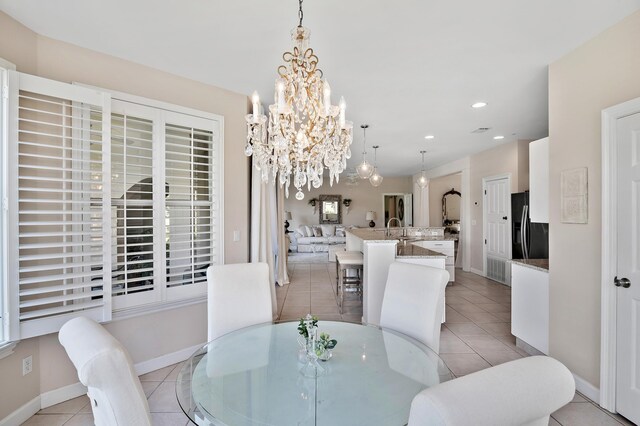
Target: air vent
point(481, 129)
point(497, 269)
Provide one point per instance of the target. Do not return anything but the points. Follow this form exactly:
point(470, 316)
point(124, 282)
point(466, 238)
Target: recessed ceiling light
point(429, 137)
point(479, 105)
point(498, 137)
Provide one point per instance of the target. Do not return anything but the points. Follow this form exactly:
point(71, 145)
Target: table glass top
point(252, 377)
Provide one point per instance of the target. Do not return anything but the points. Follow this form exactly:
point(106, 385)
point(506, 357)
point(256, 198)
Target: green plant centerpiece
point(316, 346)
point(324, 346)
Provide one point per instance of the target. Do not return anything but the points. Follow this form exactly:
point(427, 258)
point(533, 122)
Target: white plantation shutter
point(59, 215)
point(192, 211)
point(134, 216)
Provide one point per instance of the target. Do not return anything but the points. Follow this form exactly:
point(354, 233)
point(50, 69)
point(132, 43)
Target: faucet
point(388, 232)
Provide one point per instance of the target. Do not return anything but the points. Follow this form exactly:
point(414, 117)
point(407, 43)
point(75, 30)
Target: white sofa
point(306, 241)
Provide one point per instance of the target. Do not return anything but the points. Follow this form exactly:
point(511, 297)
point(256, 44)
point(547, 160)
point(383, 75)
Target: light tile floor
point(475, 336)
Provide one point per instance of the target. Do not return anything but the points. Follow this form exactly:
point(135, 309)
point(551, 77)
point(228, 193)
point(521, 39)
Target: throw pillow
point(317, 231)
point(328, 230)
point(302, 231)
point(340, 232)
point(309, 231)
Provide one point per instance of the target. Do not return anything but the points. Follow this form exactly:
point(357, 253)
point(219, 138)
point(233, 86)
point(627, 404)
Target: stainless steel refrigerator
point(530, 240)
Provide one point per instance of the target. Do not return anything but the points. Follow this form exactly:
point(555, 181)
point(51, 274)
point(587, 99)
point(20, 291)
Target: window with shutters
point(115, 208)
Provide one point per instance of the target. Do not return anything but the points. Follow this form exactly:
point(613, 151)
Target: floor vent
point(497, 269)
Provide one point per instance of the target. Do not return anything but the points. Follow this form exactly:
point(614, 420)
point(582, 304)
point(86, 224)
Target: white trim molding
point(22, 414)
point(608, 308)
point(166, 360)
point(587, 389)
point(65, 393)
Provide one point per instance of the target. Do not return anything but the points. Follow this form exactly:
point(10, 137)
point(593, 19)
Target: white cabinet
point(530, 306)
point(539, 181)
point(446, 247)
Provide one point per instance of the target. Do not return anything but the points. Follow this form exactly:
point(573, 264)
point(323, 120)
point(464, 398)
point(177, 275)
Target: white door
point(497, 209)
point(628, 269)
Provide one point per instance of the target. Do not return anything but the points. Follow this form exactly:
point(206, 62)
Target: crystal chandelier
point(364, 169)
point(305, 133)
point(376, 178)
point(422, 181)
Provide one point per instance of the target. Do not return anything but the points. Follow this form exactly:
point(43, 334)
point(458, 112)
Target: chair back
point(521, 392)
point(239, 296)
point(105, 368)
point(413, 302)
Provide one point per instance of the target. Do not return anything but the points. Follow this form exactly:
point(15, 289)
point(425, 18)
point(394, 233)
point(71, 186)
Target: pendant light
point(422, 180)
point(364, 169)
point(376, 178)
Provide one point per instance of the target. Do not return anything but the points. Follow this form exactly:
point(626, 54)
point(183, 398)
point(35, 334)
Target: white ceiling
point(408, 68)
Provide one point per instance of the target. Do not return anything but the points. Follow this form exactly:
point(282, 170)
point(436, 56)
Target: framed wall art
point(574, 196)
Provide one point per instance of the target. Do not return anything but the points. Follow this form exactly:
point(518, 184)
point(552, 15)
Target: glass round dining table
point(253, 376)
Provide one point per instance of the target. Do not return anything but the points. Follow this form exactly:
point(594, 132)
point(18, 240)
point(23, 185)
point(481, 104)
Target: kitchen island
point(379, 252)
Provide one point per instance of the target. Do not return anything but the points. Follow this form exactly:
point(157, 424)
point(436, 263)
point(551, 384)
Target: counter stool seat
point(348, 261)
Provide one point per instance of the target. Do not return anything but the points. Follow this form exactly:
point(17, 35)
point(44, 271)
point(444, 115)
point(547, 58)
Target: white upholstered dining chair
point(413, 302)
point(239, 296)
point(105, 368)
point(521, 392)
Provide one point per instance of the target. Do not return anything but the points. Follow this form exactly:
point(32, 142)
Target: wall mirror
point(451, 207)
point(330, 209)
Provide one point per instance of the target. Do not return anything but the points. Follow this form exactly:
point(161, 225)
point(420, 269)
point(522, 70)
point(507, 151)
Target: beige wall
point(16, 389)
point(146, 337)
point(437, 187)
point(507, 158)
point(601, 73)
point(364, 197)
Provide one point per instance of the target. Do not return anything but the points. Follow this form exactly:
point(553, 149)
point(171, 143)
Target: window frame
point(167, 303)
point(6, 347)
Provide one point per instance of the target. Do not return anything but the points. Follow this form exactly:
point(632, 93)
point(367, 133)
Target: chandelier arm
point(300, 12)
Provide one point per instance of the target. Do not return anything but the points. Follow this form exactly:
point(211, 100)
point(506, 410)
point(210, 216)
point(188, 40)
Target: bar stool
point(348, 261)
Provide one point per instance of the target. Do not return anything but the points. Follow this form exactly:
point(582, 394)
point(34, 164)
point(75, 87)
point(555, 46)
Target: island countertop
point(412, 250)
point(403, 248)
point(379, 235)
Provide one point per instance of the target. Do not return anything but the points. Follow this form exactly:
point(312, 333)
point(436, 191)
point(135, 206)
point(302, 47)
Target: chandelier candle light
point(364, 169)
point(376, 178)
point(305, 133)
point(422, 181)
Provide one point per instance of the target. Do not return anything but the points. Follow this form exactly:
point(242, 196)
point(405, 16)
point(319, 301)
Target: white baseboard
point(62, 394)
point(476, 271)
point(75, 390)
point(587, 389)
point(22, 414)
point(165, 360)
